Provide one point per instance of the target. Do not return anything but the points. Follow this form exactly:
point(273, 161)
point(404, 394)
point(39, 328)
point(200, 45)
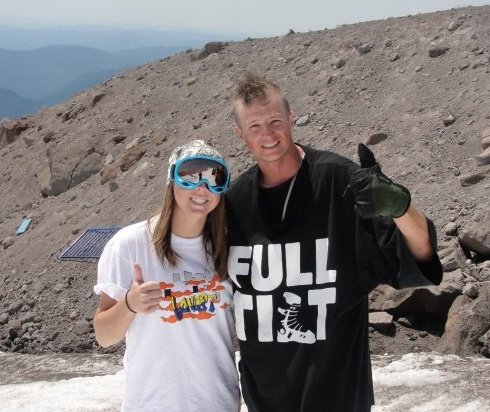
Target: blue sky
point(270, 17)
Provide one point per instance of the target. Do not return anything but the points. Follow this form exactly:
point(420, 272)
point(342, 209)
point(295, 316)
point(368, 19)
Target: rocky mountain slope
point(417, 89)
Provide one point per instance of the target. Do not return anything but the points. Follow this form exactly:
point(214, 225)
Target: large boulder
point(430, 303)
point(474, 236)
point(467, 324)
point(89, 166)
point(131, 157)
point(10, 129)
point(211, 48)
point(67, 168)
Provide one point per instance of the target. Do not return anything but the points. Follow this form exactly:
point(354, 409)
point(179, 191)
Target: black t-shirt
point(301, 287)
point(273, 200)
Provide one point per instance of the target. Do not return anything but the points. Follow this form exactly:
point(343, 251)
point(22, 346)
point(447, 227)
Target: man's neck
point(275, 173)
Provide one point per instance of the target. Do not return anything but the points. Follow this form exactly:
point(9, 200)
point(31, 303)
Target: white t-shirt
point(179, 358)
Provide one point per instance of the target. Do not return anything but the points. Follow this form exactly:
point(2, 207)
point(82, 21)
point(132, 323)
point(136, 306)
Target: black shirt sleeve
point(384, 258)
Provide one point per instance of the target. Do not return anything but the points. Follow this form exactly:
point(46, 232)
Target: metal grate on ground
point(90, 244)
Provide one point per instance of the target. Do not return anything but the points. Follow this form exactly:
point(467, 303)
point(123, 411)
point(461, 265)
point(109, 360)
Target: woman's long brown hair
point(214, 234)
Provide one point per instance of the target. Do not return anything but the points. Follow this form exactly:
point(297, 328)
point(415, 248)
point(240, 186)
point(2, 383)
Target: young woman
point(162, 285)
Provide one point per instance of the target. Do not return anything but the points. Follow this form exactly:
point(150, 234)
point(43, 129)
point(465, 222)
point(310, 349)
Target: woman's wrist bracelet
point(127, 304)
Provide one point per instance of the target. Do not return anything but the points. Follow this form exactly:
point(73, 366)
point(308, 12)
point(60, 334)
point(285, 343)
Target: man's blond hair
point(252, 87)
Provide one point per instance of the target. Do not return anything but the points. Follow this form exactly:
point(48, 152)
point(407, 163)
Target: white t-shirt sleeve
point(114, 270)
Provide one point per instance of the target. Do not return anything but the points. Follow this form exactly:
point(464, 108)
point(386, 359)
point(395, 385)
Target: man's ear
point(238, 131)
point(292, 118)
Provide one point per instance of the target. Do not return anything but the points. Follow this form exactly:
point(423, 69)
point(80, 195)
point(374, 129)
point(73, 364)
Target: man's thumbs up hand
point(143, 297)
point(366, 157)
point(374, 193)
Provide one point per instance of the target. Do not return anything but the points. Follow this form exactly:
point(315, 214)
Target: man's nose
point(268, 130)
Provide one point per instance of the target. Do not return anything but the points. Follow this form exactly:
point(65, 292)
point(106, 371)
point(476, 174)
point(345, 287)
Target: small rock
point(303, 120)
point(107, 173)
point(485, 133)
point(28, 318)
point(449, 263)
point(48, 137)
point(485, 142)
point(133, 143)
point(454, 25)
point(475, 234)
point(339, 63)
point(119, 138)
point(376, 138)
point(131, 157)
point(4, 318)
point(82, 327)
point(437, 51)
point(471, 179)
point(97, 98)
point(14, 307)
point(109, 159)
point(58, 288)
point(451, 229)
point(479, 64)
point(113, 186)
point(142, 166)
point(470, 290)
point(449, 120)
point(14, 329)
point(364, 48)
point(485, 338)
point(484, 157)
point(7, 242)
point(381, 321)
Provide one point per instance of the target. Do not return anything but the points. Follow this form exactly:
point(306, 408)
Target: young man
point(311, 234)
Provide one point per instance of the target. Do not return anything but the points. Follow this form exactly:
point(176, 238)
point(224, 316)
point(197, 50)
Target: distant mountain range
point(13, 105)
point(40, 67)
point(41, 72)
point(108, 38)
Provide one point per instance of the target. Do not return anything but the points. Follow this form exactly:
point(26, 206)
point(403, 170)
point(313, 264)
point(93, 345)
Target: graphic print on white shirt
point(198, 297)
point(246, 261)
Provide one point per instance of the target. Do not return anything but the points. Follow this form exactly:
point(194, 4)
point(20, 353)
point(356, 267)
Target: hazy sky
point(271, 17)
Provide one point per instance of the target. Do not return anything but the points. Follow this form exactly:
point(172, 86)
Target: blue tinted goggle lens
point(191, 173)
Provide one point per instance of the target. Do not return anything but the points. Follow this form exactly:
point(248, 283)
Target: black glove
point(374, 193)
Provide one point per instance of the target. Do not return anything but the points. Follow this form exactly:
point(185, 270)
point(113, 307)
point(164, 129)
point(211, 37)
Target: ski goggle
point(191, 172)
